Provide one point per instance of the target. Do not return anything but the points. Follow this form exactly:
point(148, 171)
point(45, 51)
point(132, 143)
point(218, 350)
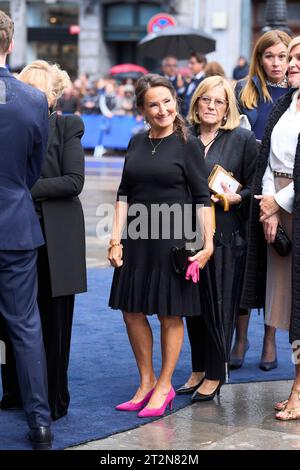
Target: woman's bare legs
point(293, 401)
point(141, 340)
point(172, 331)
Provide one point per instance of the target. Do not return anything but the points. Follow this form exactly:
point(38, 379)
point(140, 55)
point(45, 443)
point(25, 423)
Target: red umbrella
point(127, 71)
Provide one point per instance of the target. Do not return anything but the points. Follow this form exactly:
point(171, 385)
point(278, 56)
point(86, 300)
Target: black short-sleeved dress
point(176, 173)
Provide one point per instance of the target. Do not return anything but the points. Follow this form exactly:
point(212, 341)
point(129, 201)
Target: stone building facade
point(92, 35)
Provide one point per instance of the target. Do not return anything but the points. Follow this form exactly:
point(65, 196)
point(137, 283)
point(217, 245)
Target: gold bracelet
point(113, 245)
point(114, 242)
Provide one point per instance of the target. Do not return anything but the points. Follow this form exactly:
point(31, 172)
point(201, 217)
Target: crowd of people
point(232, 239)
point(111, 96)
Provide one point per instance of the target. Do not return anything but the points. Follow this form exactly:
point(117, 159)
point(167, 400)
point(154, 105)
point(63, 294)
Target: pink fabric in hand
point(192, 272)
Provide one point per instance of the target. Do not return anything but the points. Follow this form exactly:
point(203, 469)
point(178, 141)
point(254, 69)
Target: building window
point(119, 15)
point(145, 13)
point(127, 22)
point(43, 15)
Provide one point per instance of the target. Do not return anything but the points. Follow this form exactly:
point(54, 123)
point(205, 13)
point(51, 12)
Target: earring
point(224, 120)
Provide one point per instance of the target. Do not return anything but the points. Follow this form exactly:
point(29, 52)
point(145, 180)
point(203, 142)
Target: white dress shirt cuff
point(285, 197)
point(268, 186)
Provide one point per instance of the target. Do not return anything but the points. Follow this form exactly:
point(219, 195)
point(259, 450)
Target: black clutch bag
point(282, 244)
point(179, 258)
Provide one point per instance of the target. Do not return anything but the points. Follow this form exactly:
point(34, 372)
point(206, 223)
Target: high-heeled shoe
point(129, 406)
point(203, 397)
point(266, 366)
point(154, 412)
point(237, 362)
point(186, 390)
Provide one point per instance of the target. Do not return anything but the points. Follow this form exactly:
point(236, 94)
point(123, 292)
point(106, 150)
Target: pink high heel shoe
point(151, 412)
point(129, 406)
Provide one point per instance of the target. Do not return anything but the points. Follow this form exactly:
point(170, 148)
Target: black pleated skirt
point(147, 283)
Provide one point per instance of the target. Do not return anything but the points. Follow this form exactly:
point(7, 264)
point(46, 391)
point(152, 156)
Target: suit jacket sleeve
point(35, 160)
point(71, 181)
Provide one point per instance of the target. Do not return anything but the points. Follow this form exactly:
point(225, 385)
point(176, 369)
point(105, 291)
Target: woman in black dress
point(215, 120)
point(163, 166)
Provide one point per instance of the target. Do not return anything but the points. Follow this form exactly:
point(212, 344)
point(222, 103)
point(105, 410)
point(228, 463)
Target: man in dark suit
point(23, 139)
point(197, 62)
point(169, 68)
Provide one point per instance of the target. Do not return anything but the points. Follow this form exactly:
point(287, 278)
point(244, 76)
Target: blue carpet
point(103, 373)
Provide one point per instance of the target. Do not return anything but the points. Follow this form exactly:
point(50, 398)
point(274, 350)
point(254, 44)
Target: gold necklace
point(154, 147)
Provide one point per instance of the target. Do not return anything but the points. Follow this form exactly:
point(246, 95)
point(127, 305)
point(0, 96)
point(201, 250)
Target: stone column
point(185, 13)
point(18, 14)
point(228, 35)
point(93, 52)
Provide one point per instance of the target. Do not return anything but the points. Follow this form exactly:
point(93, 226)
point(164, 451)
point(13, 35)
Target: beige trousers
point(279, 275)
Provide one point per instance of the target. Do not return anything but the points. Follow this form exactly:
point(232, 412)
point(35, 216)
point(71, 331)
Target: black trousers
point(204, 354)
point(56, 317)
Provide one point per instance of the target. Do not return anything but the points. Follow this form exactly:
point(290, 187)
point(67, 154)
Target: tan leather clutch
point(219, 175)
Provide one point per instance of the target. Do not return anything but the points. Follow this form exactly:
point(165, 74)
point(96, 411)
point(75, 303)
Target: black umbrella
point(178, 41)
point(221, 286)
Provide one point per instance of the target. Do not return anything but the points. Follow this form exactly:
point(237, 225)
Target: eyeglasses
point(219, 102)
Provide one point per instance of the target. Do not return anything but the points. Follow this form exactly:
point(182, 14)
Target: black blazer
point(56, 193)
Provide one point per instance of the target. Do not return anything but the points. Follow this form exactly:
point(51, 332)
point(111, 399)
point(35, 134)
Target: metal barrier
point(109, 133)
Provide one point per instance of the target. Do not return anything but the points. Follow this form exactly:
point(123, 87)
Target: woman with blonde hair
point(266, 81)
point(273, 281)
point(215, 120)
point(257, 95)
point(61, 261)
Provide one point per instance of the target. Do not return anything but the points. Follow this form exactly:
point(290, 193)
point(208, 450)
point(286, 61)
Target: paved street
point(102, 180)
point(242, 418)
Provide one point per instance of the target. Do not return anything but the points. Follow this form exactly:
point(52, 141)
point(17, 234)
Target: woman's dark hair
point(152, 80)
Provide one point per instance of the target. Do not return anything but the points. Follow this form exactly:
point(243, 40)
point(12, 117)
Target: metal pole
point(276, 16)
